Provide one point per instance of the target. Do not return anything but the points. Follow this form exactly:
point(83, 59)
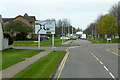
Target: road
point(91, 61)
point(88, 61)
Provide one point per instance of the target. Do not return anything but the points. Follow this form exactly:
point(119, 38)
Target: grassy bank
point(42, 43)
point(104, 41)
point(13, 56)
point(42, 68)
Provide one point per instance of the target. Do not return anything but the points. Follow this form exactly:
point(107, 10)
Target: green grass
point(42, 68)
point(13, 56)
point(93, 41)
point(42, 43)
point(104, 41)
point(0, 60)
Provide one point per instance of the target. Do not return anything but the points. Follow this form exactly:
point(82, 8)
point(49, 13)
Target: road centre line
point(104, 66)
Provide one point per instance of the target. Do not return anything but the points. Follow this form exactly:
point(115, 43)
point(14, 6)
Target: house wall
point(1, 34)
point(3, 41)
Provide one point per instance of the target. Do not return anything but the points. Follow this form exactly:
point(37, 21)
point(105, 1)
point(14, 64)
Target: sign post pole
point(52, 42)
point(38, 41)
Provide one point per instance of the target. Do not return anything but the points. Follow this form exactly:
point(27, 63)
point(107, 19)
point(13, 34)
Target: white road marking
point(101, 62)
point(112, 75)
point(104, 66)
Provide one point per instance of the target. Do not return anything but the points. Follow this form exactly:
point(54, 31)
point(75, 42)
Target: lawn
point(0, 60)
point(42, 43)
point(42, 68)
point(93, 41)
point(13, 56)
point(104, 41)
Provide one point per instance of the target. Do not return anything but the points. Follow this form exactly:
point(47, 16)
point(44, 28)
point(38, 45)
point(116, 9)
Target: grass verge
point(42, 68)
point(104, 41)
point(13, 56)
point(42, 43)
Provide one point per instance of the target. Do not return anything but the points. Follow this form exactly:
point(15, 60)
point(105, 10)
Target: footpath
point(67, 42)
point(13, 70)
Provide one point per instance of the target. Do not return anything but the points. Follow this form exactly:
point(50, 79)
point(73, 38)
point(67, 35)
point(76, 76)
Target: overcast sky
point(80, 12)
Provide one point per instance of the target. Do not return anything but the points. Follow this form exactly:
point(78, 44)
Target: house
point(3, 41)
point(26, 19)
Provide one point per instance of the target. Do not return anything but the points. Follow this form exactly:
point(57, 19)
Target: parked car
point(65, 38)
point(74, 37)
point(42, 37)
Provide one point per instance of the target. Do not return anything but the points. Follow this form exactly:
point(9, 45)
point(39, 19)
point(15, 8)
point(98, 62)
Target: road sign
point(45, 27)
point(62, 33)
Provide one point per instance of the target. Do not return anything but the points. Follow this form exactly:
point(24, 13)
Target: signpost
point(62, 37)
point(45, 27)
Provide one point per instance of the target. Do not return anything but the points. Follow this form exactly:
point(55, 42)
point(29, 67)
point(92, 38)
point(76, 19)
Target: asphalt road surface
point(91, 61)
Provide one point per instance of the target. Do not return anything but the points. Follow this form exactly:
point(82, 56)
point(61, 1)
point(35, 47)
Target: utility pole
point(62, 33)
point(72, 31)
point(64, 28)
point(92, 31)
point(69, 30)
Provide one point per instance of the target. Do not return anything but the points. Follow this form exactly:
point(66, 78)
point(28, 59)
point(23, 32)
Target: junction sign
point(45, 27)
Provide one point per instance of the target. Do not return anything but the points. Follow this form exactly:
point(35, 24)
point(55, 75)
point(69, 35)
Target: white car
point(65, 38)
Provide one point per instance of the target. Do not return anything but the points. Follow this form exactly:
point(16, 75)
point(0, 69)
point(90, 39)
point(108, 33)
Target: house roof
point(7, 19)
point(28, 18)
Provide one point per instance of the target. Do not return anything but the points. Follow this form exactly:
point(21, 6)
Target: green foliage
point(6, 35)
point(21, 36)
point(15, 27)
point(107, 25)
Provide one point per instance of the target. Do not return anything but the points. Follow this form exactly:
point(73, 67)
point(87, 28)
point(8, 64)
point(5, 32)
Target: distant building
point(3, 41)
point(26, 19)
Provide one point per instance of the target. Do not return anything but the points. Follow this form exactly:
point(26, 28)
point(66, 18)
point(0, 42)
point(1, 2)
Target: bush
point(7, 35)
point(21, 36)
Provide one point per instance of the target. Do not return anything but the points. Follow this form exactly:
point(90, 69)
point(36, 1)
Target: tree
point(107, 25)
point(115, 10)
point(15, 27)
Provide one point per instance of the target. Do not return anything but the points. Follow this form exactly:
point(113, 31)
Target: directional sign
point(45, 27)
point(62, 33)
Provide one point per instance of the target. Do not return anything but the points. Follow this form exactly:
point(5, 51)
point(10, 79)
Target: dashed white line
point(97, 59)
point(112, 75)
point(104, 66)
point(101, 62)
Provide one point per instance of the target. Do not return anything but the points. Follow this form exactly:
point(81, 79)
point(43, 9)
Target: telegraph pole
point(62, 33)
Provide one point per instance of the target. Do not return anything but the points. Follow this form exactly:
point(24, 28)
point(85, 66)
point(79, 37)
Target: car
point(42, 37)
point(65, 38)
point(74, 37)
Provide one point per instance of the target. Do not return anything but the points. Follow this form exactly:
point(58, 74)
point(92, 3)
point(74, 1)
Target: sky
point(80, 12)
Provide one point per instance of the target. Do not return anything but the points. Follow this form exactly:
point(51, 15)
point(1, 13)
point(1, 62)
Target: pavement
point(67, 42)
point(13, 70)
point(90, 61)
